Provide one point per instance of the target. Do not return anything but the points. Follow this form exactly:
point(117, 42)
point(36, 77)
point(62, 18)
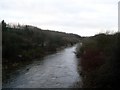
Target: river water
point(58, 70)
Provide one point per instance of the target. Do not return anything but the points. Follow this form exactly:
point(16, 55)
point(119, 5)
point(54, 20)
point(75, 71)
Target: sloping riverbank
point(21, 44)
point(99, 58)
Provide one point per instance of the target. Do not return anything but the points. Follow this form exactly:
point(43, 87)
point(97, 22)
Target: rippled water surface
point(54, 71)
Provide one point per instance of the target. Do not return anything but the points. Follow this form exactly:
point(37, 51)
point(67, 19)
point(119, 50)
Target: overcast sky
point(83, 17)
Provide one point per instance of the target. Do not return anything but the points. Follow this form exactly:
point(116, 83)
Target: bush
point(100, 61)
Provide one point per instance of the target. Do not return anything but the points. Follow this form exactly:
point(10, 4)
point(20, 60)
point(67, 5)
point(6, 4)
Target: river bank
point(24, 43)
point(99, 59)
point(58, 70)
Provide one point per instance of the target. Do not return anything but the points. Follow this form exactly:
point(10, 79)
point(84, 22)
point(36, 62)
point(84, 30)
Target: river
point(57, 70)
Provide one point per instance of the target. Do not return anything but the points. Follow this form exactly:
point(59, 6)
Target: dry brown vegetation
point(100, 61)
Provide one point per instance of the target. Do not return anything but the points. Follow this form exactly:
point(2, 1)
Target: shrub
point(100, 61)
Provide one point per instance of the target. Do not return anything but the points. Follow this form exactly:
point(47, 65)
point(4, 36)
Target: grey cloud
point(89, 14)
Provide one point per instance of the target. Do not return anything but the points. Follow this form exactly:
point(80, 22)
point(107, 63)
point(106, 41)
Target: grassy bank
point(23, 43)
point(100, 61)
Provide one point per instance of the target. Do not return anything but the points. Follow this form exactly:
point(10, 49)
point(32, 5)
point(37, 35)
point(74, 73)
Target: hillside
point(24, 43)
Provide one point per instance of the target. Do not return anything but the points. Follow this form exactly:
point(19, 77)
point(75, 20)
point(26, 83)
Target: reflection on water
point(54, 71)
